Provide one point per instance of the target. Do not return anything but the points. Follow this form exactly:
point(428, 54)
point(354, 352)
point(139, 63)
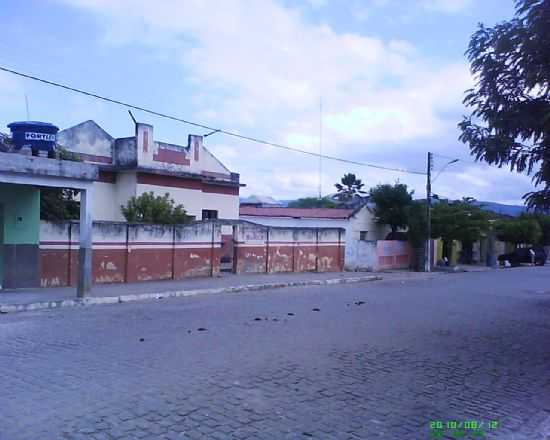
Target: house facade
point(133, 165)
point(362, 233)
point(359, 223)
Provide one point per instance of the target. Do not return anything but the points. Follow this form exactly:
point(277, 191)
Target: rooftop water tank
point(38, 136)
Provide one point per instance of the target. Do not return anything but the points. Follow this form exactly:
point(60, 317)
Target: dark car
point(523, 255)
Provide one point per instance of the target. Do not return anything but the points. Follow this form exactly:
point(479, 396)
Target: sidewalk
point(48, 298)
point(42, 298)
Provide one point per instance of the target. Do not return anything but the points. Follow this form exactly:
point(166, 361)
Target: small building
point(21, 177)
point(361, 230)
point(133, 165)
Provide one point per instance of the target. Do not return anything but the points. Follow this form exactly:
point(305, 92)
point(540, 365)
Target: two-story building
point(133, 165)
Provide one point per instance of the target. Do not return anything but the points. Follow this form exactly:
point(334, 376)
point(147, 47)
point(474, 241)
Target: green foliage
point(150, 209)
point(59, 204)
point(349, 188)
point(313, 202)
point(460, 221)
point(392, 204)
point(417, 223)
point(519, 231)
point(544, 223)
point(509, 122)
point(64, 154)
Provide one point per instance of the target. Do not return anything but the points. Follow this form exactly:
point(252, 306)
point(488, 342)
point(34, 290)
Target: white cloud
point(447, 6)
point(260, 68)
point(267, 66)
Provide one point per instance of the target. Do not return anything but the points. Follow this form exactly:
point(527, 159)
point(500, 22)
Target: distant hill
point(499, 208)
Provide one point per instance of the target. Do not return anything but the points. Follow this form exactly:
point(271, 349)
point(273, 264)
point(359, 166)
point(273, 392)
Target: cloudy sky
point(390, 74)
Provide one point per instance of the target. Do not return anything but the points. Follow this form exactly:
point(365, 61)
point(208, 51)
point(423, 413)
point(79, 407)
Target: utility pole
point(428, 266)
point(320, 146)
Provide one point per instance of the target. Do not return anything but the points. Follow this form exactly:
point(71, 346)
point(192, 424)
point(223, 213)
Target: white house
point(359, 224)
point(133, 165)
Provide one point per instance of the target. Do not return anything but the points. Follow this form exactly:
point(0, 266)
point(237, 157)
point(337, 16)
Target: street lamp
point(428, 266)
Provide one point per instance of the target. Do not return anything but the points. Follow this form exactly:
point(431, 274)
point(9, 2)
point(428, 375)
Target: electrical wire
point(206, 127)
point(462, 160)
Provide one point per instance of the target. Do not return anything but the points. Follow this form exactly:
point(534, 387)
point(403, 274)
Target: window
point(208, 214)
point(363, 235)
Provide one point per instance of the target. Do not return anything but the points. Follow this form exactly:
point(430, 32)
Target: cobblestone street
point(380, 360)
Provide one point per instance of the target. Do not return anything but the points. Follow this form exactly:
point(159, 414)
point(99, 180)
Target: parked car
point(524, 255)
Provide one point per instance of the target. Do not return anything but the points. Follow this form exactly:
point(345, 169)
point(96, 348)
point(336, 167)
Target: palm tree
point(349, 188)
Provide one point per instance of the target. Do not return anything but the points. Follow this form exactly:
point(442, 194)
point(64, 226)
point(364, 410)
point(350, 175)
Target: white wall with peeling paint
point(194, 201)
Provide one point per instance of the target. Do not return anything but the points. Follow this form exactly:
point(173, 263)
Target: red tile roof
point(330, 213)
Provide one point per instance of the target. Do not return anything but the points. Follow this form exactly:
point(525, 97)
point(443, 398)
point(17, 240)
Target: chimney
point(195, 146)
point(144, 143)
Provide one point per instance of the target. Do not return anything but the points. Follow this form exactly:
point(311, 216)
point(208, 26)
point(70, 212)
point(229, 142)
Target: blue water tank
point(38, 136)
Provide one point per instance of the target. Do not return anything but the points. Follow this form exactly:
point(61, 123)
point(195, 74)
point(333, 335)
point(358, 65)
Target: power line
point(474, 162)
point(206, 127)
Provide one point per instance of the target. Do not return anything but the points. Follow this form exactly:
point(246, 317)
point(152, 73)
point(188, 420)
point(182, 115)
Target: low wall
point(361, 255)
point(269, 249)
point(127, 253)
point(393, 254)
point(378, 255)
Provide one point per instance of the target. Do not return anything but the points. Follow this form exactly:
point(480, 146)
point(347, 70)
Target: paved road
point(473, 346)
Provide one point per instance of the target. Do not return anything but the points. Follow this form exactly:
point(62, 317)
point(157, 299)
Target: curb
point(79, 302)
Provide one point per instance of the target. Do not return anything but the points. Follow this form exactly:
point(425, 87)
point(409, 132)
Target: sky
point(382, 80)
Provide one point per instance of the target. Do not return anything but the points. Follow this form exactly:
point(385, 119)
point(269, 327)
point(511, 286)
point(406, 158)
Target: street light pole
point(427, 265)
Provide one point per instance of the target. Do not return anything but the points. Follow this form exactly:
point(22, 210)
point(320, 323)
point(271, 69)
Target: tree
point(510, 120)
point(391, 205)
point(462, 221)
point(313, 202)
point(544, 223)
point(150, 209)
point(349, 188)
point(59, 204)
point(519, 231)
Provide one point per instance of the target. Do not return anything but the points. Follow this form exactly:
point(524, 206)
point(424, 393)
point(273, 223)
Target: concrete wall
point(20, 206)
point(195, 200)
point(361, 255)
point(393, 254)
point(268, 249)
point(89, 140)
point(104, 202)
point(129, 253)
point(125, 152)
point(378, 255)
point(189, 157)
point(363, 220)
point(358, 255)
point(110, 196)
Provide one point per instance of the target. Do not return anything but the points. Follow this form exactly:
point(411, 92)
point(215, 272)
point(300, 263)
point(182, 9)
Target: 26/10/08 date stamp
point(465, 429)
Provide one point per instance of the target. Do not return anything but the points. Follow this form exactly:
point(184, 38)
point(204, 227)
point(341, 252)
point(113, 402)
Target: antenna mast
point(320, 146)
point(27, 107)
